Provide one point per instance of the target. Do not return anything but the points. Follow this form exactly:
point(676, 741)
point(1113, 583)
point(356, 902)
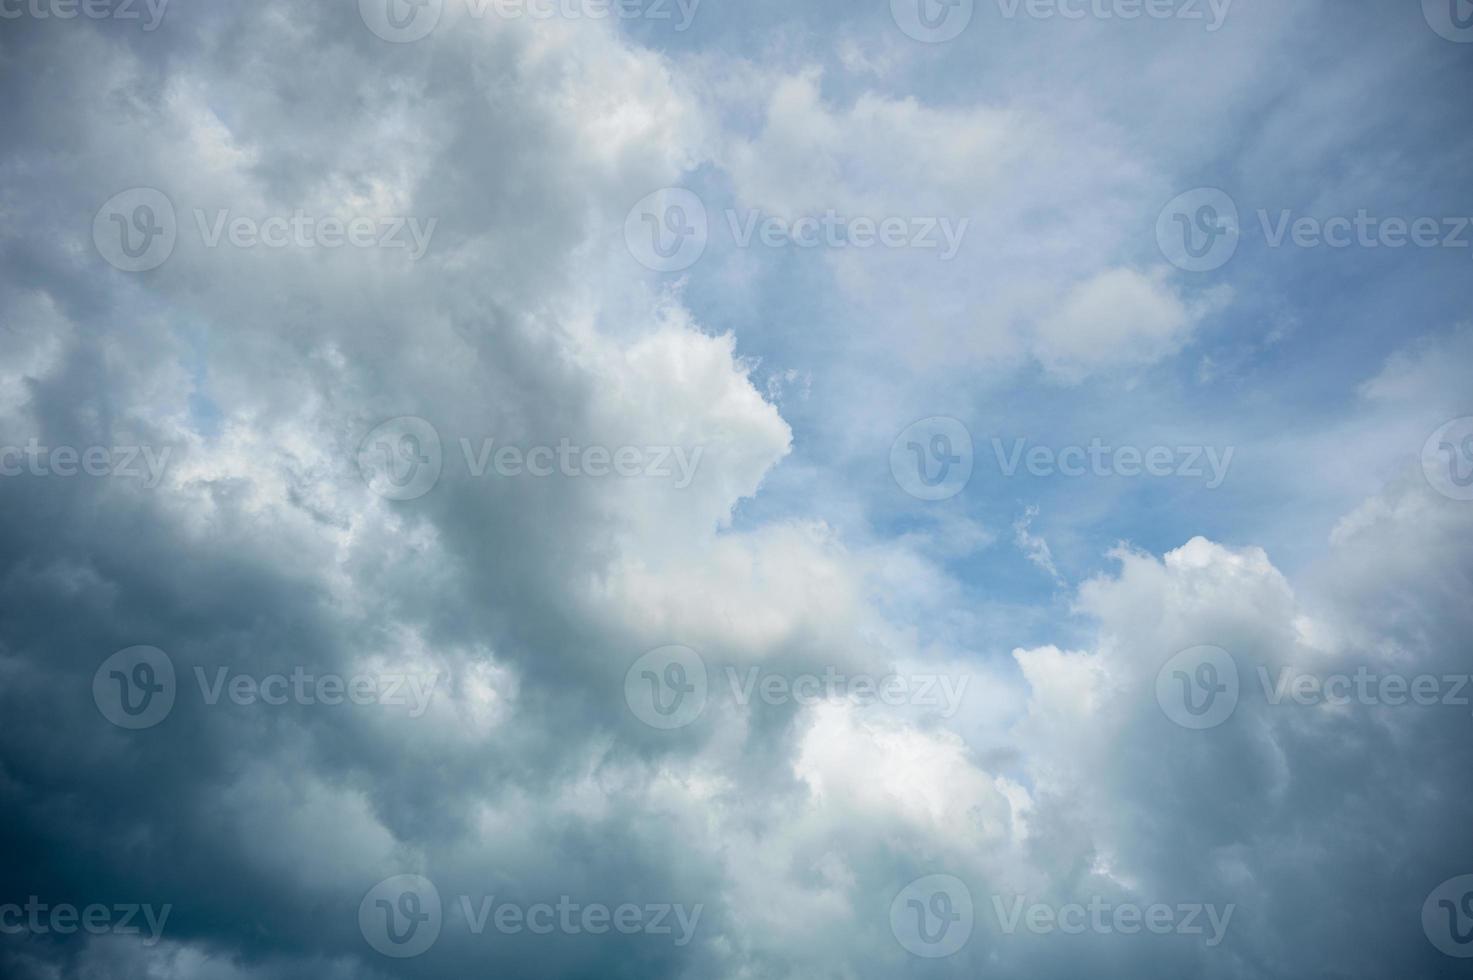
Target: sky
point(697, 489)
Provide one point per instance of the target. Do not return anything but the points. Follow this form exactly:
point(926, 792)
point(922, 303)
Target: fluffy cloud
point(1119, 319)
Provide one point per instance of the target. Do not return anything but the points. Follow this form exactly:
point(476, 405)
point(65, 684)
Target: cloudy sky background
point(529, 319)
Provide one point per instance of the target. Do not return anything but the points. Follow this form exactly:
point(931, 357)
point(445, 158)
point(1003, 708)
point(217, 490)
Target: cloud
point(1034, 547)
point(1119, 320)
point(523, 601)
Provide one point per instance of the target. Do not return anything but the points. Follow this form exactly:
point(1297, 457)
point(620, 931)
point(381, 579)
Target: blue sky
point(1304, 329)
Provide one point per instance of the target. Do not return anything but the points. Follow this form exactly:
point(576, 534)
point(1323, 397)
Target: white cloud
point(1119, 320)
